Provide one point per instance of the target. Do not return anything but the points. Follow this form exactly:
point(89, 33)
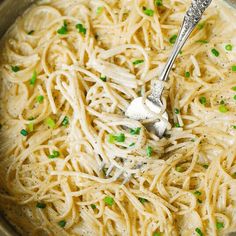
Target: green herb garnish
point(148, 12)
point(149, 151)
point(108, 200)
point(65, 121)
point(203, 41)
point(176, 111)
point(198, 193)
point(63, 30)
point(33, 78)
point(132, 144)
point(179, 169)
point(103, 78)
point(205, 166)
point(201, 25)
point(116, 138)
point(81, 29)
point(50, 123)
point(199, 232)
point(233, 68)
point(219, 225)
point(215, 52)
point(158, 3)
point(228, 47)
point(223, 108)
point(199, 200)
point(177, 125)
point(31, 127)
point(31, 32)
point(99, 10)
point(202, 100)
point(234, 88)
point(187, 74)
point(62, 223)
point(54, 154)
point(135, 131)
point(142, 200)
point(40, 99)
point(156, 234)
point(15, 68)
point(137, 62)
point(93, 206)
point(24, 132)
point(173, 38)
point(41, 205)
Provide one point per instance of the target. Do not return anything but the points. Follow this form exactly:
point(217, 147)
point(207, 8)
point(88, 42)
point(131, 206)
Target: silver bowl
point(9, 10)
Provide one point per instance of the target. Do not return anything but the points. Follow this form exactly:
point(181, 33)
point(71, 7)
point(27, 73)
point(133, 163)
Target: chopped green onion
point(118, 138)
point(135, 131)
point(132, 144)
point(62, 223)
point(199, 232)
point(219, 225)
point(149, 151)
point(234, 97)
point(176, 111)
point(24, 132)
point(142, 200)
point(54, 154)
point(137, 62)
point(233, 68)
point(81, 29)
point(179, 169)
point(99, 10)
point(31, 127)
point(228, 47)
point(205, 166)
point(108, 200)
point(93, 206)
point(234, 126)
point(15, 68)
point(148, 12)
point(158, 3)
point(203, 41)
point(199, 200)
point(103, 78)
point(215, 52)
point(173, 38)
point(50, 123)
point(223, 108)
point(198, 193)
point(234, 88)
point(41, 205)
point(201, 25)
point(33, 78)
point(30, 32)
point(40, 99)
point(63, 30)
point(65, 121)
point(187, 74)
point(177, 125)
point(202, 100)
point(156, 234)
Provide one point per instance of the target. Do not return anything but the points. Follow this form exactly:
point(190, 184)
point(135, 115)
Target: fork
point(140, 109)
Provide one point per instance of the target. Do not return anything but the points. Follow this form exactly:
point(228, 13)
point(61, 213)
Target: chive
point(156, 234)
point(108, 200)
point(31, 127)
point(103, 78)
point(198, 193)
point(177, 125)
point(234, 126)
point(234, 88)
point(202, 100)
point(148, 12)
point(41, 205)
point(223, 108)
point(99, 10)
point(180, 52)
point(158, 3)
point(205, 166)
point(33, 78)
point(215, 52)
point(203, 41)
point(179, 169)
point(135, 131)
point(233, 68)
point(137, 62)
point(15, 68)
point(118, 138)
point(93, 206)
point(176, 111)
point(62, 223)
point(228, 47)
point(81, 29)
point(234, 97)
point(149, 151)
point(199, 200)
point(219, 225)
point(65, 121)
point(50, 123)
point(63, 30)
point(132, 144)
point(201, 25)
point(199, 232)
point(24, 132)
point(54, 154)
point(187, 74)
point(173, 38)
point(142, 200)
point(31, 32)
point(40, 99)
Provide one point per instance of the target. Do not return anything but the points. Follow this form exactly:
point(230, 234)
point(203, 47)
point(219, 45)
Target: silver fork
point(140, 109)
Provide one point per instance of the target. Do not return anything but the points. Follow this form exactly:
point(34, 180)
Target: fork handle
point(191, 19)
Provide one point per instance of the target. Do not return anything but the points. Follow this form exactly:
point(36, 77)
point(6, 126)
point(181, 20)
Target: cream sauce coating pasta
point(69, 69)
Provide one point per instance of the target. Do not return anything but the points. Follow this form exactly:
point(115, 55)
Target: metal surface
point(138, 107)
point(9, 10)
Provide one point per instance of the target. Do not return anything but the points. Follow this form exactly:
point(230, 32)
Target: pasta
point(69, 70)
